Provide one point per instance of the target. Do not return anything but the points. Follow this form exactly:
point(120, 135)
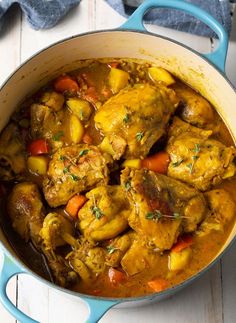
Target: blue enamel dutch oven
point(205, 73)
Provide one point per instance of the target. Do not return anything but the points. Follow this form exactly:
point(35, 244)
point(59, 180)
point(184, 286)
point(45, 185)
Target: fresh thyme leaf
point(195, 157)
point(176, 215)
point(74, 177)
point(126, 118)
point(190, 166)
point(177, 163)
point(83, 152)
point(155, 215)
point(81, 115)
point(139, 136)
point(97, 212)
point(150, 216)
point(66, 170)
point(127, 186)
point(158, 214)
point(196, 149)
point(58, 136)
point(111, 249)
point(62, 158)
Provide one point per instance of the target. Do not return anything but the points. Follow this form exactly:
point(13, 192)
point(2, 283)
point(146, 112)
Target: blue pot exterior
point(98, 306)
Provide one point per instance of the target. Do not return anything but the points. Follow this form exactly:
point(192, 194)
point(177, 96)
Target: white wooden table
point(212, 299)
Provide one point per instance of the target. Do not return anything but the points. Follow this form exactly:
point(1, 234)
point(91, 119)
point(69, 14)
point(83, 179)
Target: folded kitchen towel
point(220, 9)
point(40, 13)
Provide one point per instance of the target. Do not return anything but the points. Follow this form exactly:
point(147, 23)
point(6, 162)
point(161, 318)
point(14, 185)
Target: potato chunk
point(117, 79)
point(81, 108)
point(159, 74)
point(179, 260)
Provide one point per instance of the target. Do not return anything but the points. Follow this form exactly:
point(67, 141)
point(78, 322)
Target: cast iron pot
point(204, 73)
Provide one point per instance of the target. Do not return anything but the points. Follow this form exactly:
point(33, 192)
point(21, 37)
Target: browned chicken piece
point(222, 211)
point(53, 100)
point(48, 124)
point(118, 247)
point(72, 170)
point(105, 214)
point(12, 154)
point(139, 257)
point(197, 159)
point(130, 252)
point(63, 274)
point(135, 118)
point(196, 110)
point(56, 231)
point(87, 260)
point(26, 211)
point(162, 207)
point(27, 215)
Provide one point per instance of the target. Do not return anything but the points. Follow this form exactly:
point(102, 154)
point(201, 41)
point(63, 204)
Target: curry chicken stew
point(122, 176)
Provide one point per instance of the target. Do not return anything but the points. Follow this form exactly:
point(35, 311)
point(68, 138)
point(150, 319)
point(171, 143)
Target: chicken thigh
point(105, 213)
point(162, 207)
point(135, 118)
point(26, 211)
point(72, 170)
point(197, 159)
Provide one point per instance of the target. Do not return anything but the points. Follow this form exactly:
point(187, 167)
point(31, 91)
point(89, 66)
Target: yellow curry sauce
point(122, 176)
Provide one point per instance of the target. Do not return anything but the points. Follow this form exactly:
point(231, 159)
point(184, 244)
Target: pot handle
point(8, 270)
point(218, 57)
point(97, 308)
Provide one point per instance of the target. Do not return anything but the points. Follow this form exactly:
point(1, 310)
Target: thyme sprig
point(139, 136)
point(83, 152)
point(58, 136)
point(177, 163)
point(127, 185)
point(126, 118)
point(195, 157)
point(111, 249)
point(156, 215)
point(96, 211)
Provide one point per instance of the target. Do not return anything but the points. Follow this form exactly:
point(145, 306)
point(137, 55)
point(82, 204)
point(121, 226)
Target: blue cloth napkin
point(40, 13)
point(220, 9)
point(46, 13)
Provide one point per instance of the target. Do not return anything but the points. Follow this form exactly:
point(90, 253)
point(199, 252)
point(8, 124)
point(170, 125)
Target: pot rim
point(166, 292)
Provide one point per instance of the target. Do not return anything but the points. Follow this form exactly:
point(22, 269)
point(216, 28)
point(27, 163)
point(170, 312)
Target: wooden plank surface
point(10, 59)
point(210, 299)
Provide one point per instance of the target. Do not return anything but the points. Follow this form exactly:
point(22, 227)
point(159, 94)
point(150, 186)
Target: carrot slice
point(75, 204)
point(66, 83)
point(182, 243)
point(38, 147)
point(116, 276)
point(158, 163)
point(87, 139)
point(158, 285)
